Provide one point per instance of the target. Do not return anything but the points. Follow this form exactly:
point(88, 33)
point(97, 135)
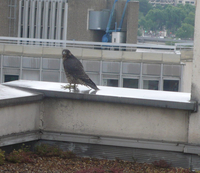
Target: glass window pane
point(172, 70)
point(170, 85)
point(53, 64)
point(91, 66)
point(31, 75)
point(151, 69)
point(131, 68)
point(8, 78)
point(33, 63)
point(150, 84)
point(11, 61)
point(110, 82)
point(51, 76)
point(130, 83)
point(111, 67)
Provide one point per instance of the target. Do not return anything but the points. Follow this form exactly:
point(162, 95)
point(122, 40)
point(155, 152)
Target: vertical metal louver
point(43, 19)
point(12, 6)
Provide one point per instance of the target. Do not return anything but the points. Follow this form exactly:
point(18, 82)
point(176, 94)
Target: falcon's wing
point(74, 67)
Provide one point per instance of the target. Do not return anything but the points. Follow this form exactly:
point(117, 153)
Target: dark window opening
point(110, 82)
point(170, 85)
point(150, 84)
point(130, 83)
point(9, 78)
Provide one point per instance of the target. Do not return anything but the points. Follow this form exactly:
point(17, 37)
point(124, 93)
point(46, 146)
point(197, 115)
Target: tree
point(185, 31)
point(157, 17)
point(174, 17)
point(144, 6)
point(190, 19)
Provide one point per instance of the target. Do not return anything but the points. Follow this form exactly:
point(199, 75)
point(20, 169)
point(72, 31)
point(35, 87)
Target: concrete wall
point(194, 128)
point(132, 22)
point(19, 118)
point(78, 16)
point(78, 13)
point(4, 24)
point(186, 77)
point(117, 120)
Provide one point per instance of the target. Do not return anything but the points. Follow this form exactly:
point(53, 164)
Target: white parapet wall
point(112, 116)
point(115, 119)
point(19, 113)
point(114, 112)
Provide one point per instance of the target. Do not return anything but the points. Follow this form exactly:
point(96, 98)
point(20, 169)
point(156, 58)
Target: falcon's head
point(66, 53)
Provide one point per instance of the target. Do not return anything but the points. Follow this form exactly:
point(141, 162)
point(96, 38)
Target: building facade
point(192, 2)
point(162, 2)
point(145, 69)
point(171, 2)
point(63, 19)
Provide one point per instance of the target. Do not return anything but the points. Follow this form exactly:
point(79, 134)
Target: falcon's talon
point(66, 86)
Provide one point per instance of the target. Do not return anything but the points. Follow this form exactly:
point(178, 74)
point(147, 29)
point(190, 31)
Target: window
point(10, 78)
point(110, 82)
point(170, 85)
point(33, 63)
point(172, 70)
point(151, 69)
point(91, 66)
point(150, 84)
point(111, 67)
point(131, 68)
point(130, 83)
point(11, 61)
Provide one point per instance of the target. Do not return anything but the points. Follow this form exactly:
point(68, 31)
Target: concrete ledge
point(12, 96)
point(112, 141)
point(160, 99)
point(19, 138)
point(98, 140)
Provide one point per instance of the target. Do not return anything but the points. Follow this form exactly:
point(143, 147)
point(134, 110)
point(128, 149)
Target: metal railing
point(90, 45)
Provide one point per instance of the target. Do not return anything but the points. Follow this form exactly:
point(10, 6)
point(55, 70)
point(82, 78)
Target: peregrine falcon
point(74, 71)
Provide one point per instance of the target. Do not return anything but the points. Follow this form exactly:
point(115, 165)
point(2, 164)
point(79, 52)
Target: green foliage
point(23, 155)
point(67, 155)
point(185, 31)
point(139, 33)
point(2, 157)
point(161, 164)
point(101, 170)
point(190, 19)
point(49, 151)
point(171, 18)
point(144, 6)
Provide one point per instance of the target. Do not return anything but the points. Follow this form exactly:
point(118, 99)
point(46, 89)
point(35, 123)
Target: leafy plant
point(20, 156)
point(67, 155)
point(47, 150)
point(23, 155)
point(2, 157)
point(92, 170)
point(162, 164)
point(116, 170)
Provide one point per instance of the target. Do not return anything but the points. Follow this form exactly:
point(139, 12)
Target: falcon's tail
point(91, 84)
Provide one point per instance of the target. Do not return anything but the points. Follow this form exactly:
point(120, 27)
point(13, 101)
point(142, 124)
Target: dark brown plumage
point(74, 71)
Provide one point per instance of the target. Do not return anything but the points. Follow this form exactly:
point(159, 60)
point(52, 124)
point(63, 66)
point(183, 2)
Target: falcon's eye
point(64, 53)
